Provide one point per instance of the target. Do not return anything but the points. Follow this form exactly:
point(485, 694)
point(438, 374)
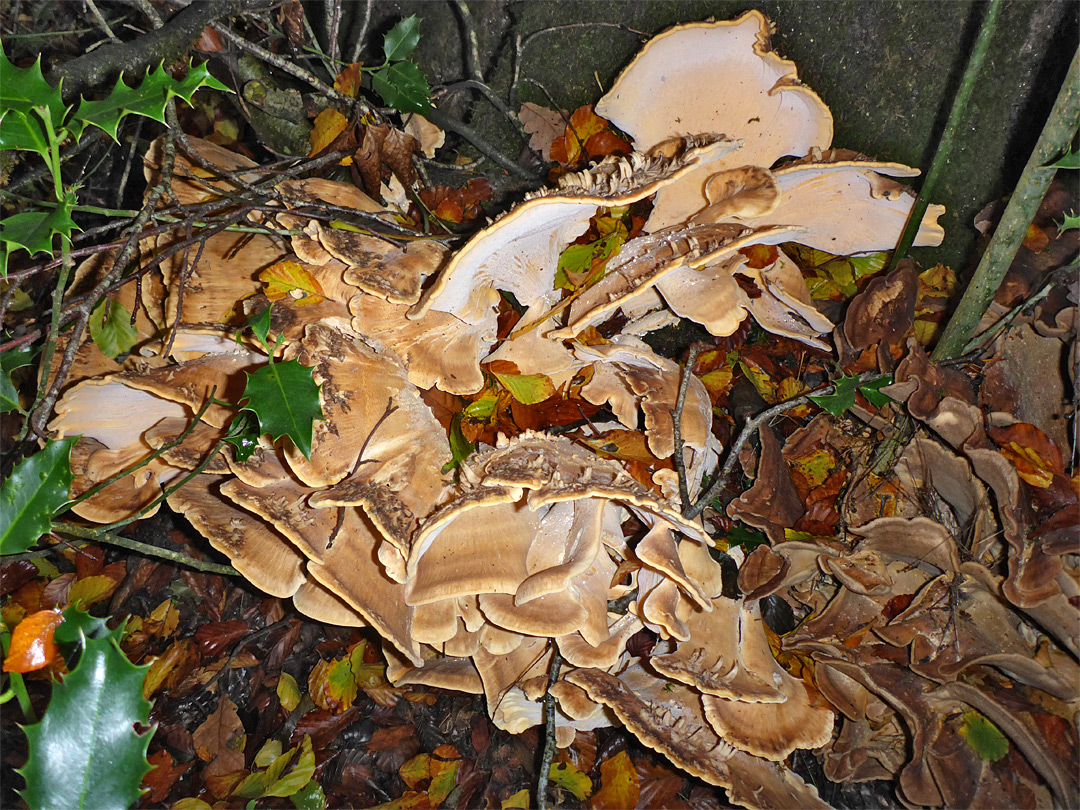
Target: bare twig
point(333, 22)
point(281, 63)
point(544, 774)
point(361, 36)
point(101, 20)
point(100, 536)
point(482, 145)
point(472, 45)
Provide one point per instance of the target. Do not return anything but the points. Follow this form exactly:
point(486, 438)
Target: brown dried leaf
point(221, 739)
point(543, 125)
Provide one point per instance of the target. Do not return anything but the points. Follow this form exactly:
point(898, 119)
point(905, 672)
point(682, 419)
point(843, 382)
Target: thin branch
point(281, 63)
point(1057, 134)
point(952, 125)
point(441, 119)
point(101, 21)
point(544, 775)
point(362, 35)
point(676, 422)
point(472, 45)
point(101, 536)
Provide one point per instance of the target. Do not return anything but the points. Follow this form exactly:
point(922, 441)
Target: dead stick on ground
point(549, 732)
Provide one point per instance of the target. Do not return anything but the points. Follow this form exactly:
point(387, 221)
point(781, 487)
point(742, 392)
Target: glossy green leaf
point(23, 131)
point(285, 399)
point(36, 488)
point(111, 329)
point(77, 626)
point(1069, 220)
point(309, 797)
point(748, 539)
point(85, 752)
point(483, 407)
point(243, 435)
point(24, 97)
point(871, 390)
point(9, 397)
point(982, 735)
point(17, 358)
point(34, 230)
point(843, 396)
point(403, 86)
point(148, 99)
point(402, 39)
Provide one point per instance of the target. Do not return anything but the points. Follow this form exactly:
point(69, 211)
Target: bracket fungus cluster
point(538, 543)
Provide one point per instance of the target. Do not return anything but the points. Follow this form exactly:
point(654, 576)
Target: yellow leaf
point(291, 279)
point(519, 801)
point(443, 767)
point(570, 778)
point(190, 803)
point(91, 590)
point(528, 389)
point(416, 770)
point(288, 691)
point(328, 125)
point(348, 81)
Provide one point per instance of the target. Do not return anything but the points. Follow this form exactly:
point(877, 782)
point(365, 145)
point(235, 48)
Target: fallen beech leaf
point(293, 280)
point(627, 445)
point(348, 81)
point(32, 644)
point(220, 740)
point(519, 801)
point(570, 778)
point(163, 776)
point(528, 389)
point(328, 125)
point(175, 663)
point(619, 786)
point(584, 123)
point(214, 638)
point(288, 691)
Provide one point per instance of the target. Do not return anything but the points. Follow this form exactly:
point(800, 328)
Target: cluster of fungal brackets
point(474, 583)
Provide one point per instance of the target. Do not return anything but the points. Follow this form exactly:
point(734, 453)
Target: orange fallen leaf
point(348, 81)
point(619, 784)
point(293, 280)
point(32, 645)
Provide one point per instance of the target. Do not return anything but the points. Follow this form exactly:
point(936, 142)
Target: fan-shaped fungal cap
point(519, 252)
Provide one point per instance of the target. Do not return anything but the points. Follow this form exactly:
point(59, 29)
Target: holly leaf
point(1069, 220)
point(147, 100)
point(25, 97)
point(402, 39)
point(243, 435)
point(111, 329)
point(33, 230)
point(309, 797)
point(872, 390)
point(403, 86)
point(285, 398)
point(749, 539)
point(85, 752)
point(36, 489)
point(9, 397)
point(982, 735)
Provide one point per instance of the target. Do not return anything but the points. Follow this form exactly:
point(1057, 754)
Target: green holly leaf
point(37, 488)
point(25, 96)
point(285, 399)
point(23, 131)
point(403, 86)
point(34, 230)
point(843, 396)
point(1069, 220)
point(9, 396)
point(17, 358)
point(111, 329)
point(982, 735)
point(148, 99)
point(79, 625)
point(872, 390)
point(85, 752)
point(749, 539)
point(243, 435)
point(402, 39)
